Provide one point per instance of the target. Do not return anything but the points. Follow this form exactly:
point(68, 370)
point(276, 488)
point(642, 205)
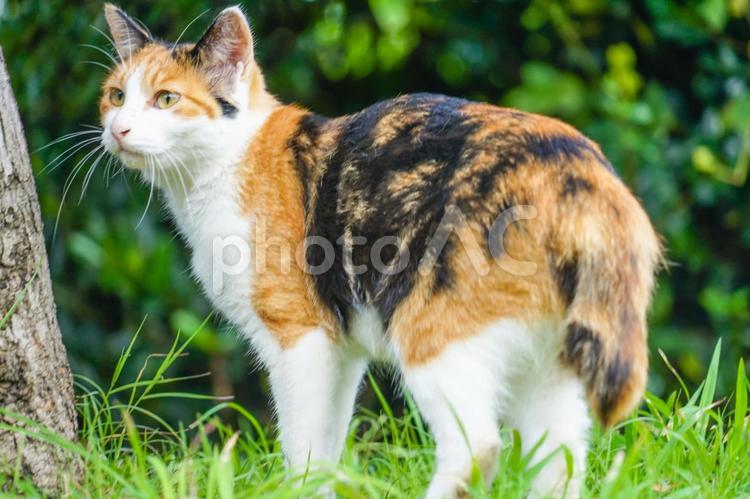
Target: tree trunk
point(35, 378)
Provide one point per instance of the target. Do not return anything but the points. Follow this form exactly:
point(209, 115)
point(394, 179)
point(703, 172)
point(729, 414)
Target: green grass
point(684, 445)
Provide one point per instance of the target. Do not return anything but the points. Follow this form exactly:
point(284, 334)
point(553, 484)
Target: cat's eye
point(166, 99)
point(116, 97)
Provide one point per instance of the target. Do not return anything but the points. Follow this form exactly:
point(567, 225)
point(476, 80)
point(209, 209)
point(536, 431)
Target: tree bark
point(35, 379)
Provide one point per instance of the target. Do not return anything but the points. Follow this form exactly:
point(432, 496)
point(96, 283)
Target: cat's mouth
point(129, 153)
point(121, 149)
point(131, 158)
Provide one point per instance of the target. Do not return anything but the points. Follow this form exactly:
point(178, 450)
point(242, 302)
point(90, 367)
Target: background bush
point(661, 85)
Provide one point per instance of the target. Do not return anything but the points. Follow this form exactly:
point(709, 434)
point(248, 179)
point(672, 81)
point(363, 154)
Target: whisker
point(118, 170)
point(175, 160)
point(190, 173)
point(197, 153)
point(108, 170)
point(168, 174)
point(186, 28)
point(163, 180)
point(109, 38)
point(163, 174)
point(143, 27)
point(104, 66)
point(121, 172)
point(99, 49)
point(68, 184)
point(63, 138)
point(89, 175)
point(150, 192)
point(76, 169)
point(182, 167)
point(65, 155)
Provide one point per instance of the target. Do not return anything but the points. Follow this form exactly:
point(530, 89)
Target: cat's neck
point(193, 186)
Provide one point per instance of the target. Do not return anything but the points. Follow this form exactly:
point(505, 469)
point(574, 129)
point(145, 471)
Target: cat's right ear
point(226, 44)
point(129, 36)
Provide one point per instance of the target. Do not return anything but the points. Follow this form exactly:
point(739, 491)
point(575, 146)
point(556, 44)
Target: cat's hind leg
point(549, 409)
point(460, 392)
point(351, 366)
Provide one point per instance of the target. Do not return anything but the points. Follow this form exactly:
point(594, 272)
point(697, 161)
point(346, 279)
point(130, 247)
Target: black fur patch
point(358, 177)
point(582, 350)
point(572, 185)
point(228, 109)
point(616, 376)
point(608, 377)
point(561, 148)
point(566, 277)
point(303, 145)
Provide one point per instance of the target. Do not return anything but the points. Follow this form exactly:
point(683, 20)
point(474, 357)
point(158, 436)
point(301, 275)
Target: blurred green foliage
point(661, 85)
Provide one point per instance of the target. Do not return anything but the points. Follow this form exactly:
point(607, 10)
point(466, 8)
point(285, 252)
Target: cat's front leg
point(314, 385)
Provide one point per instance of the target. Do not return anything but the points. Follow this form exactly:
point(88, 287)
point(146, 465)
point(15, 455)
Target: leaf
point(715, 13)
point(548, 91)
point(709, 387)
point(740, 404)
point(391, 15)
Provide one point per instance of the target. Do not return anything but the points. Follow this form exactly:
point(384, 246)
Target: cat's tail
point(614, 253)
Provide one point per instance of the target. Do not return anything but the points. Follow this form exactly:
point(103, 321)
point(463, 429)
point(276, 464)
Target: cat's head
point(166, 104)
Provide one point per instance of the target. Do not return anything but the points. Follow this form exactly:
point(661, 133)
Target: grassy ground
point(686, 445)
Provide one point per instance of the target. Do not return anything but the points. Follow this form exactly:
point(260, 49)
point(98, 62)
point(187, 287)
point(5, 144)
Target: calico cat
point(493, 257)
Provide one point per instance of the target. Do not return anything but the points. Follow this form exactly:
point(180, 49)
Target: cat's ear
point(129, 36)
point(227, 45)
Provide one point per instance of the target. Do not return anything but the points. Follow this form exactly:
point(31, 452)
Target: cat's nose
point(120, 131)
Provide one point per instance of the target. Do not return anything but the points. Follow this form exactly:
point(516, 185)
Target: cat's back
point(390, 178)
point(396, 166)
point(423, 151)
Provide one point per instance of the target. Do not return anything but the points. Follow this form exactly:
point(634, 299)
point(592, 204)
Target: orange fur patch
point(283, 294)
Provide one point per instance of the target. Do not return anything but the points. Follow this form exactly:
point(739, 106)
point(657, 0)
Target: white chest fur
point(219, 234)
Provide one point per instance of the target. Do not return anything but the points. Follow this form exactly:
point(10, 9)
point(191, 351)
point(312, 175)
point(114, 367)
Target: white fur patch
point(367, 332)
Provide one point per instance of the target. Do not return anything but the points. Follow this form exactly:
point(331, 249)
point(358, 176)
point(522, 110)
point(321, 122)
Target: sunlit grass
point(685, 445)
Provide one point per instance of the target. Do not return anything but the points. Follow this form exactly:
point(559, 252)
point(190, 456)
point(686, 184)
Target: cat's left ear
point(227, 46)
point(129, 36)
